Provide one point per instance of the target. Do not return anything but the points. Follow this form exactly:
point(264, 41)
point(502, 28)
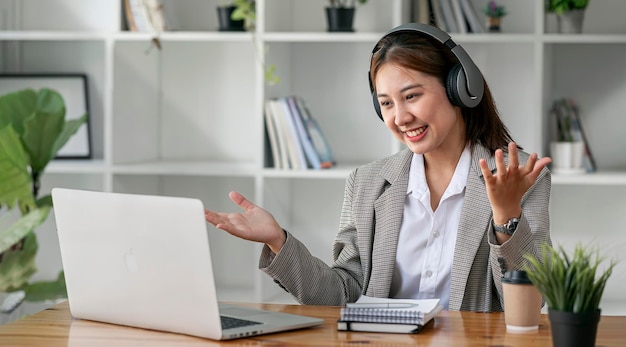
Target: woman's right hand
point(254, 224)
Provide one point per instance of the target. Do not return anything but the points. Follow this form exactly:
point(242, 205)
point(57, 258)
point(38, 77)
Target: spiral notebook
point(388, 315)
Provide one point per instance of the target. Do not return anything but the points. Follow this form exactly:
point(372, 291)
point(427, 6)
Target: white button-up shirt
point(427, 238)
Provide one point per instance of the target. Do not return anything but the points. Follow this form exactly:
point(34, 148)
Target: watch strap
point(507, 228)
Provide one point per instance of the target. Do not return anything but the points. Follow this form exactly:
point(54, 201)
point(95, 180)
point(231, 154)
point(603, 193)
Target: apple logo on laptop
point(131, 261)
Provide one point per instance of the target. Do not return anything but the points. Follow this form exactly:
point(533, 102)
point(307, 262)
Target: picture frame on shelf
point(73, 89)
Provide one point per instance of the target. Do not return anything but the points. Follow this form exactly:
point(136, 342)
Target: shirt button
point(436, 234)
point(429, 273)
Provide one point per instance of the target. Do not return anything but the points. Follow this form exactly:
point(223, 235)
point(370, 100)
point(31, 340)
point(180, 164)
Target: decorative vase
point(573, 329)
point(570, 22)
point(567, 157)
point(226, 22)
point(340, 19)
point(493, 24)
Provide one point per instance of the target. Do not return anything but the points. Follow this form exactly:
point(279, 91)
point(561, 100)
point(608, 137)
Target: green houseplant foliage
point(32, 130)
point(492, 9)
point(245, 10)
point(569, 283)
point(562, 6)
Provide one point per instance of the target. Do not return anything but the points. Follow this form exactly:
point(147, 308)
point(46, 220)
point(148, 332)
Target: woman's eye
point(384, 103)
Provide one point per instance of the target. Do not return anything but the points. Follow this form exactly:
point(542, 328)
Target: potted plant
point(572, 286)
point(237, 15)
point(570, 14)
point(340, 15)
point(32, 130)
point(494, 13)
point(568, 151)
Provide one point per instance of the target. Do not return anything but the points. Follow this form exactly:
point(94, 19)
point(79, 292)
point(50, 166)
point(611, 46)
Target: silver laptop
point(144, 261)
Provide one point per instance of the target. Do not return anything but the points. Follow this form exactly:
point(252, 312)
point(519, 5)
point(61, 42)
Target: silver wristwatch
point(507, 228)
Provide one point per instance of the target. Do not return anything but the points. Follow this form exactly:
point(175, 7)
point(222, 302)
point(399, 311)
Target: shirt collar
point(417, 178)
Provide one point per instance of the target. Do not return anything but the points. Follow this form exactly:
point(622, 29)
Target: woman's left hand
point(508, 184)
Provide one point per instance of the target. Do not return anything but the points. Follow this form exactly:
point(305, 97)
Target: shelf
point(186, 36)
point(70, 166)
point(52, 36)
point(596, 178)
point(584, 38)
point(186, 168)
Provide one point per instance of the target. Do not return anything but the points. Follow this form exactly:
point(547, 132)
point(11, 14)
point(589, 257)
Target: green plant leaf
point(22, 228)
point(15, 180)
point(16, 107)
point(69, 129)
point(569, 283)
point(46, 290)
point(40, 134)
point(18, 265)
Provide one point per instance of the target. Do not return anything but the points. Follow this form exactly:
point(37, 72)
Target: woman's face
point(416, 109)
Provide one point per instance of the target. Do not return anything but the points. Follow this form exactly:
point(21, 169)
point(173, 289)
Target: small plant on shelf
point(563, 6)
point(494, 13)
point(492, 9)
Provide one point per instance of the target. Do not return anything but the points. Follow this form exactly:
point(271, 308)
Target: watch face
point(508, 228)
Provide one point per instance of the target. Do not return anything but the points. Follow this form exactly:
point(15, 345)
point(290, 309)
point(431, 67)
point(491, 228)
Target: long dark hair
point(419, 52)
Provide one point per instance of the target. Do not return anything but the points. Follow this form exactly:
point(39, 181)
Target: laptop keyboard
point(230, 322)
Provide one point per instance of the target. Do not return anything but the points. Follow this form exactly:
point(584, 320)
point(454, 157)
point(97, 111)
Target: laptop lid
point(144, 261)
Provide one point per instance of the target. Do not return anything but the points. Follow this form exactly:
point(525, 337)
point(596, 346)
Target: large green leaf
point(15, 180)
point(40, 133)
point(46, 290)
point(22, 227)
point(16, 107)
point(18, 265)
point(69, 129)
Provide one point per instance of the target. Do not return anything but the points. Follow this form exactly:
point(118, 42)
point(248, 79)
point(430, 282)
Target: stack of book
point(453, 16)
point(407, 316)
point(294, 138)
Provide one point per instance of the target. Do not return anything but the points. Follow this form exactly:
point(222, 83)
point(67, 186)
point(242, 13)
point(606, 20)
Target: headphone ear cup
point(455, 78)
point(377, 106)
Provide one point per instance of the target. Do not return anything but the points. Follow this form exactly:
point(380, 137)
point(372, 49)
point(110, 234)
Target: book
point(410, 312)
point(461, 25)
point(297, 158)
point(313, 159)
point(273, 139)
point(379, 327)
point(144, 15)
point(448, 16)
point(320, 143)
point(421, 13)
point(439, 22)
point(472, 17)
point(273, 110)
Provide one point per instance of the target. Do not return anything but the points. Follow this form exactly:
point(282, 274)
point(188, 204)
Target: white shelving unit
point(187, 120)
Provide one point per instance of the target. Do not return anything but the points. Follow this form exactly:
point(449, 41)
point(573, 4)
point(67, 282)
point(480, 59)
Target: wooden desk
point(55, 327)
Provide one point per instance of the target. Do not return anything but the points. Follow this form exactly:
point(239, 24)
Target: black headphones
point(464, 84)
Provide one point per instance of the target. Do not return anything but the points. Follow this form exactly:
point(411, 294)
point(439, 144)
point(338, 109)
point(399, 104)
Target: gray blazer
point(365, 247)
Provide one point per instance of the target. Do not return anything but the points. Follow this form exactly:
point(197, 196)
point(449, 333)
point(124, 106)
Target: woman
point(436, 220)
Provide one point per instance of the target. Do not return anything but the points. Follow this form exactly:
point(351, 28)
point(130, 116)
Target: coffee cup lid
point(516, 277)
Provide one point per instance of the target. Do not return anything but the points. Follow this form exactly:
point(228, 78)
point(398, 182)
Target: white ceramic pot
point(567, 157)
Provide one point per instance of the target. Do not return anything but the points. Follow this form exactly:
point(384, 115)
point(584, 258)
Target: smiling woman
point(429, 221)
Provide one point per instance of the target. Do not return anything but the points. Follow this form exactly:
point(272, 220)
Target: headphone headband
point(464, 84)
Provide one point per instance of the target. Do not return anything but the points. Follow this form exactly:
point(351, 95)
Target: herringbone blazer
point(365, 247)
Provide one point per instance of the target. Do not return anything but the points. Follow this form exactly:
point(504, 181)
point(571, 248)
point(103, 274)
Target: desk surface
point(56, 327)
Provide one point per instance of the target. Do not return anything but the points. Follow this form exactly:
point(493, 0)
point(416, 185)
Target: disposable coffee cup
point(522, 302)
